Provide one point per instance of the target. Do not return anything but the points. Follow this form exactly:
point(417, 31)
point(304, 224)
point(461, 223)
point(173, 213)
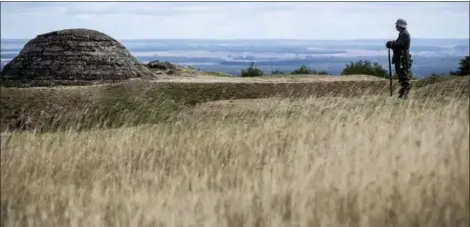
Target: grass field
point(266, 158)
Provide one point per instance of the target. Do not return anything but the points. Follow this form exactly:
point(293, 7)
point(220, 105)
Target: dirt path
point(208, 79)
point(267, 79)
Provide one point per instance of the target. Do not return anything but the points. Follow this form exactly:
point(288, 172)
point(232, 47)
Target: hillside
point(150, 102)
point(236, 154)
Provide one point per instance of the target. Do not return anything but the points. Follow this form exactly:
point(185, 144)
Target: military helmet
point(401, 23)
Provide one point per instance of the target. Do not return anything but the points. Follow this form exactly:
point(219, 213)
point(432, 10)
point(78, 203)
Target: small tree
point(307, 70)
point(365, 68)
point(303, 70)
point(251, 71)
point(464, 67)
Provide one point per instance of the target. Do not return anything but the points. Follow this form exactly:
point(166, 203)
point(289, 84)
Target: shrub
point(302, 70)
point(464, 67)
point(365, 68)
point(306, 70)
point(251, 71)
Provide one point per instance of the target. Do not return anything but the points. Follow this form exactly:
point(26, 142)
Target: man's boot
point(403, 92)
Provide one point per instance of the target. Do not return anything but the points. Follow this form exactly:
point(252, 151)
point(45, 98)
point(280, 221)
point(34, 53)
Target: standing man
point(401, 57)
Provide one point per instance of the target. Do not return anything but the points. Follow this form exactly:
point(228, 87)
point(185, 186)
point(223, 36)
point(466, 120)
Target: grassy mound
point(140, 102)
point(330, 161)
point(443, 86)
point(137, 102)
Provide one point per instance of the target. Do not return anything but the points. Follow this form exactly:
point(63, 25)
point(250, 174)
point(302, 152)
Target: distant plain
point(230, 56)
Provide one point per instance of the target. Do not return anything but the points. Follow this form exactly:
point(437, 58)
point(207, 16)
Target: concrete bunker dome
point(71, 57)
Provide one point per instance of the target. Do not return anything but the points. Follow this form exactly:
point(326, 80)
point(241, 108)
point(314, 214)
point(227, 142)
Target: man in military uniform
point(401, 57)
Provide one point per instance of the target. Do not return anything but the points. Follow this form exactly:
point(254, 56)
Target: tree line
point(359, 67)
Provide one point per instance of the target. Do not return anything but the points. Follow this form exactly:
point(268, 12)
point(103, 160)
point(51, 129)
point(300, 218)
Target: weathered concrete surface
point(72, 57)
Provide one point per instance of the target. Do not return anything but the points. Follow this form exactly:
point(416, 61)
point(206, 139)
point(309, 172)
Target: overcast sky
point(242, 20)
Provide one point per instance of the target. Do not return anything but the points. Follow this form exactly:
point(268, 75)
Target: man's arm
point(401, 41)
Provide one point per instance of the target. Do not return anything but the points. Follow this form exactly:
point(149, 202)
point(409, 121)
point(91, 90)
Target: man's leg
point(404, 80)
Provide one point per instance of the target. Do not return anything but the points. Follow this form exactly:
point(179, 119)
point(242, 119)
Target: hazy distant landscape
point(230, 56)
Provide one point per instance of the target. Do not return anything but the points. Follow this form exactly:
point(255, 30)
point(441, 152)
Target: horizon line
point(257, 39)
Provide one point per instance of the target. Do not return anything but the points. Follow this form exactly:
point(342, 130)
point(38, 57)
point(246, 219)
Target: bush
point(365, 68)
point(464, 67)
point(251, 71)
point(302, 70)
point(306, 70)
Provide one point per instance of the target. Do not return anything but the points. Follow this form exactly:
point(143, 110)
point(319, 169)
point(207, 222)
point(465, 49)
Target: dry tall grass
point(363, 162)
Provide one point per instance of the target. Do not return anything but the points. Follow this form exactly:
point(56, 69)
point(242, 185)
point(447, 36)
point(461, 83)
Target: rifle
point(390, 72)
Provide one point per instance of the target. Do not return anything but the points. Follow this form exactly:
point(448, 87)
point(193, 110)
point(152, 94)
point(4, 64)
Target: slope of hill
point(137, 102)
point(251, 162)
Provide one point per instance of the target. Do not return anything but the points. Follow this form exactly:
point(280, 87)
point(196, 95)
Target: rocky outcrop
point(72, 57)
point(164, 68)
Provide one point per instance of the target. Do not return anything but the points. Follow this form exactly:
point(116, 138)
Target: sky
point(238, 20)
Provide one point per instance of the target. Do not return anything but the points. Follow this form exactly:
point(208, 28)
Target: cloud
point(139, 8)
point(235, 20)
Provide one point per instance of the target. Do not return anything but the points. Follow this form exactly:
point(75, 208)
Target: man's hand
point(389, 44)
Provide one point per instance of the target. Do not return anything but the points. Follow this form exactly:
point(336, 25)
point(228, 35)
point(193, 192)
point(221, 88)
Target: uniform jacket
point(401, 45)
